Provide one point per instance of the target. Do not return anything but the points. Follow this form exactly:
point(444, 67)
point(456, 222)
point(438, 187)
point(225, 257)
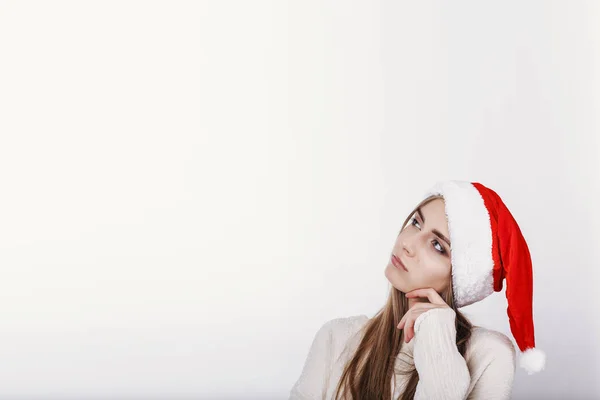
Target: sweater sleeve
point(313, 380)
point(499, 365)
point(443, 371)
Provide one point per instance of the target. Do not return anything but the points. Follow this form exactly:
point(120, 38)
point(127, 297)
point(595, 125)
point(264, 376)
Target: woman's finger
point(399, 326)
point(416, 308)
point(409, 330)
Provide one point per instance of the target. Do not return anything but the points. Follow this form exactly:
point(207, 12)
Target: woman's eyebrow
point(444, 238)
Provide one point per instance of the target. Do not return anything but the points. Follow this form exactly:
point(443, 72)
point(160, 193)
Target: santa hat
point(487, 247)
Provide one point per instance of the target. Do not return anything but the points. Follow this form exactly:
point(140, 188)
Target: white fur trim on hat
point(471, 237)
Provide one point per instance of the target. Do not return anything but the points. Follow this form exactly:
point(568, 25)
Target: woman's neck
point(414, 300)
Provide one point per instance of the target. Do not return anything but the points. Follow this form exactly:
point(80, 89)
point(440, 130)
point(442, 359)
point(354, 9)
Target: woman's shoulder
point(487, 344)
point(345, 334)
point(342, 331)
point(486, 337)
point(342, 327)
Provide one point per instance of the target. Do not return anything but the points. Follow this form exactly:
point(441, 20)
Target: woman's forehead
point(434, 215)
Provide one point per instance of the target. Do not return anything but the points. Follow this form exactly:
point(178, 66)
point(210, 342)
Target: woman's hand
point(408, 320)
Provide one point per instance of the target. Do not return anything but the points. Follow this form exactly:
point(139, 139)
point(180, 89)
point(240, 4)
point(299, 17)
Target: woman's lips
point(397, 263)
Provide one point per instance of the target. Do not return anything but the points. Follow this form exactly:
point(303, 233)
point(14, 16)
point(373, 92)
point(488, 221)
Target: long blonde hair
point(368, 374)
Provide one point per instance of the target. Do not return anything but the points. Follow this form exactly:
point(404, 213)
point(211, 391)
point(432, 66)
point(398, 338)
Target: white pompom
point(533, 360)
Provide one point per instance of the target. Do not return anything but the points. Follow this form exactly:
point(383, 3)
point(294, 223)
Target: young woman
point(454, 249)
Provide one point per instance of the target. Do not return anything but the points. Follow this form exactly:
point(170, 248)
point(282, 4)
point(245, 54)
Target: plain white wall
point(191, 189)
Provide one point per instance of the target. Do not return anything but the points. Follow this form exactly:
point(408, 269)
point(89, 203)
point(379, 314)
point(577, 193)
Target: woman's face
point(422, 248)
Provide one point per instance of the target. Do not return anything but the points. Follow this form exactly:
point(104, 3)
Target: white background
point(189, 190)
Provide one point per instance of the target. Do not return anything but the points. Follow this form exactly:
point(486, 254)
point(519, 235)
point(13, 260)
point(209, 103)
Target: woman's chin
point(392, 275)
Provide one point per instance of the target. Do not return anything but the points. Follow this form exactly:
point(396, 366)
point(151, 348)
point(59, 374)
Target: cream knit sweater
point(486, 372)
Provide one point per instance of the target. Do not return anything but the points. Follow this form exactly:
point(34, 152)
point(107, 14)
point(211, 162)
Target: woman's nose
point(407, 245)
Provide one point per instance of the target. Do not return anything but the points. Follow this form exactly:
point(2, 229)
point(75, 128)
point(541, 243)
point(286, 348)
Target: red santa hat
point(487, 247)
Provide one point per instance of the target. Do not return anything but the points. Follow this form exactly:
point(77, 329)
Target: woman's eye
point(442, 250)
